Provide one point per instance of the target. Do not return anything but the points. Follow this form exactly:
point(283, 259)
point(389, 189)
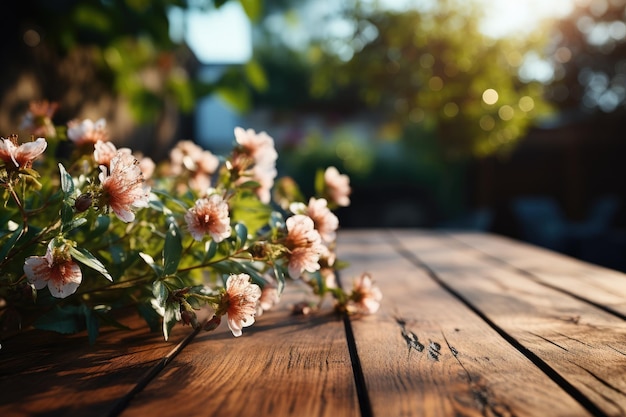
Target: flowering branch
point(99, 228)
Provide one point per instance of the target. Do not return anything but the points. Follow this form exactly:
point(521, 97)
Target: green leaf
point(86, 258)
point(67, 213)
point(73, 224)
point(172, 249)
point(210, 250)
point(8, 245)
point(151, 317)
point(242, 234)
point(101, 225)
point(249, 210)
point(253, 8)
point(92, 323)
point(250, 270)
point(157, 204)
point(320, 183)
point(65, 320)
point(67, 184)
point(280, 277)
point(107, 319)
point(238, 97)
point(172, 312)
point(160, 292)
point(255, 75)
point(150, 261)
point(277, 221)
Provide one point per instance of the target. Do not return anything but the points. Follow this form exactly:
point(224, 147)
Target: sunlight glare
point(510, 17)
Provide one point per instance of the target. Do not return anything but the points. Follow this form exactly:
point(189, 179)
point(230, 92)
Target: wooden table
point(471, 324)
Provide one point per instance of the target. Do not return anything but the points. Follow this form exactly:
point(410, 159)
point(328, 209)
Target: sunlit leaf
point(253, 8)
point(279, 274)
point(73, 224)
point(170, 318)
point(172, 249)
point(255, 75)
point(67, 213)
point(149, 314)
point(249, 210)
point(210, 249)
point(160, 292)
point(320, 183)
point(158, 269)
point(67, 184)
point(237, 97)
point(8, 245)
point(242, 234)
point(85, 257)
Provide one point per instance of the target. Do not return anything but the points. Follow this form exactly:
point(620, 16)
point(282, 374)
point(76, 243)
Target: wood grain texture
point(44, 373)
point(599, 285)
point(427, 354)
point(580, 343)
point(283, 365)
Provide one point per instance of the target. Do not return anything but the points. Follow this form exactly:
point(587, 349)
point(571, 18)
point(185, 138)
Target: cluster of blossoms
point(87, 228)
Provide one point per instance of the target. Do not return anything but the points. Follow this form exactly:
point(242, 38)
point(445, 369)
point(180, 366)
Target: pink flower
point(259, 146)
point(365, 297)
point(86, 131)
point(147, 166)
point(241, 299)
point(337, 186)
point(304, 244)
point(56, 270)
point(269, 297)
point(326, 223)
point(209, 216)
point(186, 156)
point(21, 156)
point(104, 152)
point(124, 187)
point(257, 150)
point(38, 119)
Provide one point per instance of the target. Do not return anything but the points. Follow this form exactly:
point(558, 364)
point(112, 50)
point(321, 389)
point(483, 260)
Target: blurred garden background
point(506, 116)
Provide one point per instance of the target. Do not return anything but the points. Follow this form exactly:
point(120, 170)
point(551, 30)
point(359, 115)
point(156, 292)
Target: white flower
point(337, 186)
point(365, 297)
point(209, 216)
point(326, 223)
point(21, 156)
point(241, 299)
point(59, 272)
point(86, 131)
point(304, 244)
point(124, 188)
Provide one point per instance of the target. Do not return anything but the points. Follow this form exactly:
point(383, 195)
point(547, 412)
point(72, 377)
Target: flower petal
point(37, 271)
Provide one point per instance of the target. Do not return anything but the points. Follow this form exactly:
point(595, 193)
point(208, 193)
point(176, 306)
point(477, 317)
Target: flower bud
point(213, 323)
point(83, 202)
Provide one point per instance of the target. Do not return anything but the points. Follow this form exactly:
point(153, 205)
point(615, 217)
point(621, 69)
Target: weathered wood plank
point(283, 365)
point(427, 354)
point(580, 343)
point(599, 285)
point(44, 373)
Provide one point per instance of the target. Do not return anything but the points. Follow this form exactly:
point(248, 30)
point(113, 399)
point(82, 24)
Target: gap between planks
point(120, 405)
point(574, 392)
point(503, 262)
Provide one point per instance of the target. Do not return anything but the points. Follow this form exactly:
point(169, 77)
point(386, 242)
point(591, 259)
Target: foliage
point(87, 229)
point(432, 67)
point(118, 50)
point(588, 56)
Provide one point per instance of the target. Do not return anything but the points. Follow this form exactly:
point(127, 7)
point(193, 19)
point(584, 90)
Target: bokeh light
point(490, 96)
